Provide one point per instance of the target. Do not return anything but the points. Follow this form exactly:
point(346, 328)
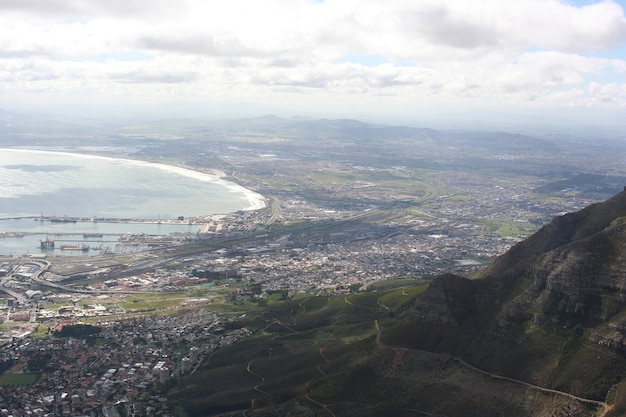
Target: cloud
point(402, 29)
point(560, 27)
point(142, 77)
point(457, 30)
point(88, 9)
point(441, 26)
point(483, 50)
point(225, 46)
point(612, 93)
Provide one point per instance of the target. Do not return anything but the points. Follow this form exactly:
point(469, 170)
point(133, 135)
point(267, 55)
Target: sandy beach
point(58, 183)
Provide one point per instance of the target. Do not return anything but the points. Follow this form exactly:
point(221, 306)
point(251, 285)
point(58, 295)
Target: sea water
point(46, 184)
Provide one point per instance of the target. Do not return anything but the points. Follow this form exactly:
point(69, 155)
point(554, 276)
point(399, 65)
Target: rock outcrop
point(571, 269)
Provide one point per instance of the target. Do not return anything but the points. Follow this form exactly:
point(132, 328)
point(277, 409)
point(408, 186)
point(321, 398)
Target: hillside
point(550, 311)
point(540, 332)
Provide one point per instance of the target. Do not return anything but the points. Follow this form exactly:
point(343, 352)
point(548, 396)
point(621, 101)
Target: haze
point(397, 61)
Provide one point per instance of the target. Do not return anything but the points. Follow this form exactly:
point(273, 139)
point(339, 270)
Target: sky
point(395, 59)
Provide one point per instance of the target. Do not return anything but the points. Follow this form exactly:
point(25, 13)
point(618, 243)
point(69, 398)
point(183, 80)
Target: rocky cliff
point(542, 307)
point(573, 265)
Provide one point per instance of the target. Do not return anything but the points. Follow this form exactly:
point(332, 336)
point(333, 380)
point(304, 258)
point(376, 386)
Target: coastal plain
point(357, 220)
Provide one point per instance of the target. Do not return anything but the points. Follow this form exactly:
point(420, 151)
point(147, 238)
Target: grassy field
point(40, 331)
point(409, 281)
point(409, 182)
point(138, 302)
point(18, 379)
point(509, 228)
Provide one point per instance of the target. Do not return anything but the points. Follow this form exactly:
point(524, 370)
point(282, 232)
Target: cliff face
point(450, 299)
point(571, 269)
point(560, 232)
point(552, 299)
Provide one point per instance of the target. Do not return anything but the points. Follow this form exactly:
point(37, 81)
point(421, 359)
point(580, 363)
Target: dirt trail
point(256, 388)
point(323, 355)
point(324, 406)
point(605, 407)
point(356, 305)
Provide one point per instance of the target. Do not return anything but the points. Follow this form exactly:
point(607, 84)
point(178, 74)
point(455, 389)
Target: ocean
point(37, 183)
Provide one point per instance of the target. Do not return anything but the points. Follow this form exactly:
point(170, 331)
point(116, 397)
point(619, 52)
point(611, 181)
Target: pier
point(73, 219)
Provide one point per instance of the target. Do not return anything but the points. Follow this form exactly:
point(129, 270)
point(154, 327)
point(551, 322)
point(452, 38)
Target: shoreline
point(23, 237)
point(254, 200)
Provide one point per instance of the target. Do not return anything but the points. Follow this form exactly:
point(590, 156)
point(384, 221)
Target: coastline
point(255, 201)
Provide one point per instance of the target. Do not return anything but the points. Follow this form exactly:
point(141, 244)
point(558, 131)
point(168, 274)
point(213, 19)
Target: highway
point(19, 297)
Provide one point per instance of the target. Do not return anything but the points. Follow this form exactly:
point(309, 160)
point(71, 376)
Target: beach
point(41, 182)
point(91, 195)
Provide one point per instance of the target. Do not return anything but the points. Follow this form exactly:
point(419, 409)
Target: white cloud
point(484, 50)
point(607, 93)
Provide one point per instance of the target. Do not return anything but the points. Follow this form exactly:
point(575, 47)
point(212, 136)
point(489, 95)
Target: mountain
point(551, 311)
point(540, 332)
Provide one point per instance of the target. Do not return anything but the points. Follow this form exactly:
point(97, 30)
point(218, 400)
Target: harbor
point(80, 200)
point(33, 236)
point(94, 219)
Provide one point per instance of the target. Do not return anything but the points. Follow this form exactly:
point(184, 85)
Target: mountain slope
point(332, 356)
point(551, 311)
point(540, 332)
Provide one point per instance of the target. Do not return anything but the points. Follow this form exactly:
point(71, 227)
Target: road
point(19, 297)
point(43, 267)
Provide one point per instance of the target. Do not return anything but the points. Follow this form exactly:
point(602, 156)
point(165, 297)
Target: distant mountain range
point(105, 122)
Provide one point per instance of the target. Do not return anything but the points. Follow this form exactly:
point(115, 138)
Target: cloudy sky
point(337, 58)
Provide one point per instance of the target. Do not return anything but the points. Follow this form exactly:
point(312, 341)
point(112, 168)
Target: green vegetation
point(460, 197)
point(508, 228)
point(335, 177)
point(40, 331)
point(18, 379)
point(378, 353)
point(152, 302)
point(617, 397)
point(10, 325)
point(78, 331)
point(401, 282)
point(295, 343)
point(410, 182)
point(323, 353)
point(416, 212)
point(549, 199)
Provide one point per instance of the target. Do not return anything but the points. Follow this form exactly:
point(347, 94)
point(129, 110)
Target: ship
point(83, 248)
point(46, 244)
point(63, 220)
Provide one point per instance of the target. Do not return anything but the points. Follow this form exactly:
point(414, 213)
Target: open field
point(17, 379)
point(509, 228)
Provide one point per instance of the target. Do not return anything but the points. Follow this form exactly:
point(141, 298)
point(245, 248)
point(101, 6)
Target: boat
point(62, 220)
point(83, 248)
point(86, 235)
point(46, 243)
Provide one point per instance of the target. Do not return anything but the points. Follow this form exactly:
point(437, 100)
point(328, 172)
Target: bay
point(44, 184)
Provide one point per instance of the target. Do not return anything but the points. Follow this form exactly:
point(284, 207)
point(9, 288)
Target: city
point(332, 225)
